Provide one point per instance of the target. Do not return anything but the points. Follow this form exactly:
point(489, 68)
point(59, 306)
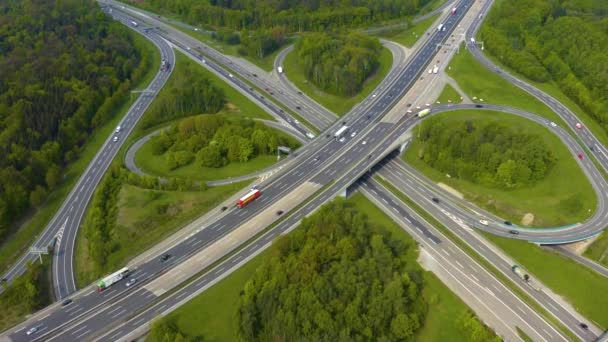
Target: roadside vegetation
point(88, 119)
point(28, 293)
point(581, 286)
point(297, 68)
point(598, 250)
point(130, 213)
point(556, 44)
point(213, 315)
point(504, 164)
point(449, 95)
point(208, 147)
point(408, 34)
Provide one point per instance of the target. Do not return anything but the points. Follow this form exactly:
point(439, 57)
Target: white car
point(409, 111)
point(553, 124)
point(131, 282)
point(31, 331)
point(364, 142)
point(578, 125)
point(115, 139)
point(117, 130)
point(374, 95)
point(230, 75)
point(353, 134)
point(188, 48)
point(204, 61)
point(484, 222)
point(297, 122)
point(417, 107)
point(341, 139)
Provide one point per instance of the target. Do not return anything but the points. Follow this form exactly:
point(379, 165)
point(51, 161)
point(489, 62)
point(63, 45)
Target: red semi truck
point(250, 196)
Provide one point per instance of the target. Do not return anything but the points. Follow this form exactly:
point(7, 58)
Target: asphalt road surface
point(62, 229)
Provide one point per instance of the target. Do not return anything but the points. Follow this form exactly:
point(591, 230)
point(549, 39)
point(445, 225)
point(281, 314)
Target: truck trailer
point(250, 196)
point(112, 279)
point(424, 113)
point(520, 273)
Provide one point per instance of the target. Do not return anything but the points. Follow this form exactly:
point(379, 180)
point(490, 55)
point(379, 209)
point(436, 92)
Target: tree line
point(555, 41)
point(488, 153)
point(187, 92)
point(214, 141)
point(66, 67)
point(293, 15)
point(338, 277)
point(338, 64)
point(257, 43)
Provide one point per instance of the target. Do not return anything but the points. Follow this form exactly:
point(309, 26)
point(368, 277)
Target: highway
point(586, 136)
point(63, 227)
point(307, 169)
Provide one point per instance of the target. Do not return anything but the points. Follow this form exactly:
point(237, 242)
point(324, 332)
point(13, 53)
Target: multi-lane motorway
point(62, 229)
point(322, 162)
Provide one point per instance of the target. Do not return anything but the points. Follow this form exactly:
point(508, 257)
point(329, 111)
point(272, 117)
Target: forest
point(338, 277)
point(65, 68)
point(562, 41)
point(293, 15)
point(215, 142)
point(338, 64)
point(488, 153)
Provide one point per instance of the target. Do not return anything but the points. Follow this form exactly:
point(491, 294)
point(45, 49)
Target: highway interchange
point(321, 162)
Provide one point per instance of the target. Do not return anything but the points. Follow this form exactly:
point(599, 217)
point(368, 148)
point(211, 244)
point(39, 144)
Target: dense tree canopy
point(336, 278)
point(489, 153)
point(65, 66)
point(338, 64)
point(561, 40)
point(293, 15)
point(186, 93)
point(215, 141)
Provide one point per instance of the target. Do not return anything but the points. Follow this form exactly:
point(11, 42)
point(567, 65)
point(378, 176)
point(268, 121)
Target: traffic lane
point(510, 304)
point(381, 105)
point(460, 229)
point(580, 259)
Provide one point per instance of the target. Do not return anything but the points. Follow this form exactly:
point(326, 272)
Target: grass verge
point(478, 258)
point(337, 104)
point(598, 250)
point(212, 314)
point(449, 95)
point(523, 335)
point(581, 286)
point(15, 245)
point(564, 196)
point(410, 35)
point(145, 217)
point(477, 81)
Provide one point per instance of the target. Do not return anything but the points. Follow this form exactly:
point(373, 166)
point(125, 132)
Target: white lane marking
point(111, 337)
point(43, 317)
point(445, 252)
point(474, 277)
point(458, 263)
point(84, 333)
point(115, 309)
point(79, 329)
point(75, 311)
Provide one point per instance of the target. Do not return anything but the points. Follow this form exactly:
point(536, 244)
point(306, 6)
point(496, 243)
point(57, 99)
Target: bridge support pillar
point(403, 146)
point(343, 193)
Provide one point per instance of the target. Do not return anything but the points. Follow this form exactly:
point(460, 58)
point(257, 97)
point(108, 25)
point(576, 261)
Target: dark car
point(280, 212)
point(478, 106)
point(66, 302)
point(300, 92)
point(508, 223)
point(164, 257)
point(514, 232)
point(224, 208)
point(584, 326)
point(435, 199)
point(255, 75)
point(298, 107)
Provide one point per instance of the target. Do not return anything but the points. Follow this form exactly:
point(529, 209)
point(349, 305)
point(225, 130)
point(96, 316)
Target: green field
point(477, 81)
point(582, 287)
point(145, 217)
point(563, 197)
point(449, 93)
point(155, 165)
point(408, 36)
point(212, 314)
point(598, 250)
point(18, 242)
point(337, 104)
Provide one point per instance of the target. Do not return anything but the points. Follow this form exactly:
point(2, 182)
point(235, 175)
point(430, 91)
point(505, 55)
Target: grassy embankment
point(212, 314)
point(598, 250)
point(449, 94)
point(337, 104)
point(564, 197)
point(582, 287)
point(408, 36)
point(17, 243)
point(144, 216)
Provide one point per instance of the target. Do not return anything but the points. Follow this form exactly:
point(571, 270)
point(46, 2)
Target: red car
point(580, 156)
point(578, 125)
